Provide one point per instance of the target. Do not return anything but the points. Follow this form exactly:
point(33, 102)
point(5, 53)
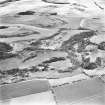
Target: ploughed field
point(50, 40)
